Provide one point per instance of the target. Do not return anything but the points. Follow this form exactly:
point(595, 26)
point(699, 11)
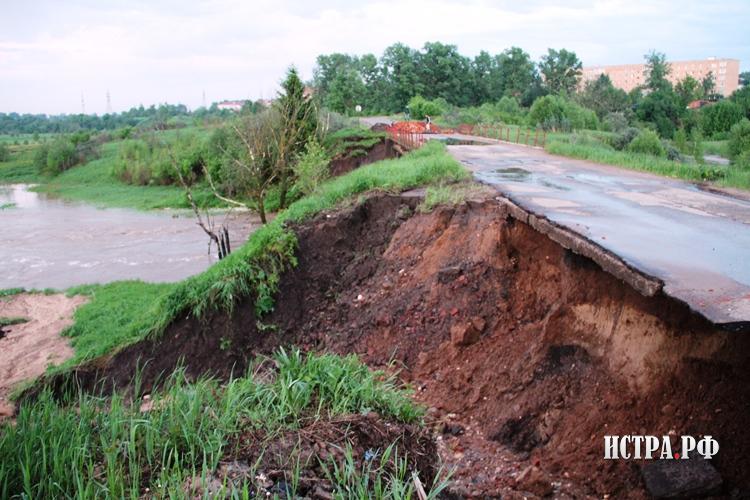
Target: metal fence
point(407, 140)
point(517, 135)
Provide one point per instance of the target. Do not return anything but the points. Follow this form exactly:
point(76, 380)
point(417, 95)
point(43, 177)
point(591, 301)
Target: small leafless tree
point(218, 236)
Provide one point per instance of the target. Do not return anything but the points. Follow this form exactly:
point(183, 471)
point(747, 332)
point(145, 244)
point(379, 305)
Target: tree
point(709, 84)
point(744, 79)
point(399, 65)
point(688, 90)
point(603, 97)
point(519, 72)
point(444, 73)
point(487, 78)
point(742, 98)
point(4, 152)
point(339, 83)
point(561, 71)
point(298, 124)
point(661, 108)
point(656, 71)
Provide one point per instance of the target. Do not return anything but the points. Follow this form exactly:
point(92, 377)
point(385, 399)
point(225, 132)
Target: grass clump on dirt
point(9, 321)
point(171, 444)
point(352, 142)
point(452, 194)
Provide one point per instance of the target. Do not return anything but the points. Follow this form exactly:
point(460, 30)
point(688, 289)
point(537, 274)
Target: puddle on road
point(514, 174)
point(48, 242)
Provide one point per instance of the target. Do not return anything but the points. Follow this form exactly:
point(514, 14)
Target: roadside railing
point(407, 140)
point(517, 135)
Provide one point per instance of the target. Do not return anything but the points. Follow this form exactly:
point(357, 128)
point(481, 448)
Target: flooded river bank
point(47, 242)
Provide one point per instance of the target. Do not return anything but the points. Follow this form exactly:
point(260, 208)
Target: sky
point(55, 54)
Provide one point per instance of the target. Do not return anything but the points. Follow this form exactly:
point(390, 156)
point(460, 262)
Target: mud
point(27, 349)
point(526, 353)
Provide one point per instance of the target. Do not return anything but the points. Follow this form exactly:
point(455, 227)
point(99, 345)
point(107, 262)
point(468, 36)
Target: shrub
point(312, 168)
point(419, 108)
point(739, 140)
point(719, 118)
point(622, 140)
point(647, 142)
point(61, 156)
point(558, 113)
point(680, 140)
point(615, 121)
point(4, 152)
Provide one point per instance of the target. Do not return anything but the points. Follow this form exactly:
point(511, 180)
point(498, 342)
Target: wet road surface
point(696, 242)
point(49, 243)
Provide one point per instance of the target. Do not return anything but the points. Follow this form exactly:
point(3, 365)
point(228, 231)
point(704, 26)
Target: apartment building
point(628, 76)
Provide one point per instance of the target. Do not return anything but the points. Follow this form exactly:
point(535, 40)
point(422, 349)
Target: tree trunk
point(283, 187)
point(261, 209)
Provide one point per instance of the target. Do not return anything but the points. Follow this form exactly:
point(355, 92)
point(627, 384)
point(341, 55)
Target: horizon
point(167, 52)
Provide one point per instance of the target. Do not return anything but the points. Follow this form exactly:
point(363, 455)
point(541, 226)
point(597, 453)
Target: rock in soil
point(681, 478)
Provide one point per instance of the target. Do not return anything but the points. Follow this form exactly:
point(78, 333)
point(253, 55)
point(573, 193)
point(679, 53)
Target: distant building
point(629, 76)
point(231, 105)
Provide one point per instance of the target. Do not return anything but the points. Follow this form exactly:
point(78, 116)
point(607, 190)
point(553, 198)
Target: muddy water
point(48, 242)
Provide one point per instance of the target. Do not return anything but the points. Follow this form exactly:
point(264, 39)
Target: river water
point(46, 242)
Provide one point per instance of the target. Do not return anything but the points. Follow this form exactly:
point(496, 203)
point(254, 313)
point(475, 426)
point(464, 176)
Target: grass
point(641, 162)
point(352, 142)
point(8, 321)
point(113, 316)
point(104, 447)
point(719, 148)
point(125, 312)
point(451, 194)
point(95, 183)
point(19, 169)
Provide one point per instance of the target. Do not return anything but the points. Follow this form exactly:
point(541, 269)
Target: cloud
point(147, 52)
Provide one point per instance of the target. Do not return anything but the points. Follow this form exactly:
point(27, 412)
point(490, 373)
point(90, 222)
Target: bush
point(622, 140)
point(719, 118)
point(419, 108)
point(739, 141)
point(312, 168)
point(680, 140)
point(4, 152)
point(647, 142)
point(615, 121)
point(558, 113)
point(61, 156)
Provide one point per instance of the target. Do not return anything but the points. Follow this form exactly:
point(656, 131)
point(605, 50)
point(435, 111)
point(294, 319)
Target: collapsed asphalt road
point(689, 243)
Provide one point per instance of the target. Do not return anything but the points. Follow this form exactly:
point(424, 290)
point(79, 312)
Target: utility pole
point(109, 103)
point(83, 105)
point(204, 99)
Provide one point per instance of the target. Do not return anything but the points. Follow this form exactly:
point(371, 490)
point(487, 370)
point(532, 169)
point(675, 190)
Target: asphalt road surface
point(695, 241)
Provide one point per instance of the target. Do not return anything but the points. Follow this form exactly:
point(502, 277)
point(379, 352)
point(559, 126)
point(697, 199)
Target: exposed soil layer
point(350, 160)
point(526, 354)
point(26, 349)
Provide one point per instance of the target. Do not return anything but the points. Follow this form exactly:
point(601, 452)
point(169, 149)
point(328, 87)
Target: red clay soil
point(525, 353)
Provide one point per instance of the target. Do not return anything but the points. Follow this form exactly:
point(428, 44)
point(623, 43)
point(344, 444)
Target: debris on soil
point(304, 458)
point(27, 348)
point(565, 353)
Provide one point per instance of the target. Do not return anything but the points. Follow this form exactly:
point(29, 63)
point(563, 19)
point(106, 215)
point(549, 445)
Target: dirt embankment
point(356, 157)
point(525, 353)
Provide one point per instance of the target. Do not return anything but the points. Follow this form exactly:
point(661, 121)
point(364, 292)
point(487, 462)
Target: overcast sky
point(147, 52)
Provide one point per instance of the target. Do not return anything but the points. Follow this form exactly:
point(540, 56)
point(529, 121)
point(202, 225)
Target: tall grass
point(106, 447)
point(635, 161)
